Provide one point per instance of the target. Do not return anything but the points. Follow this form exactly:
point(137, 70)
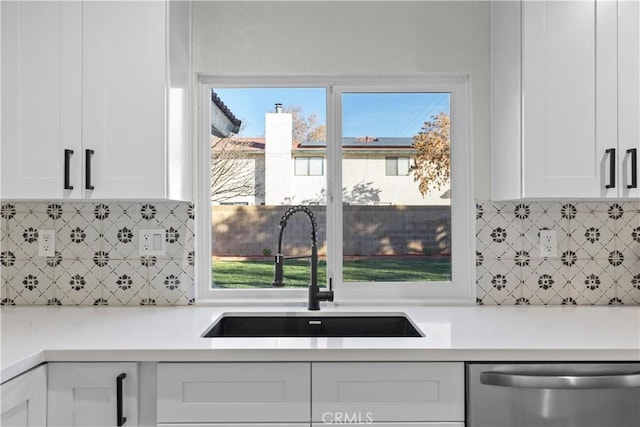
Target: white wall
point(353, 38)
point(277, 163)
point(365, 176)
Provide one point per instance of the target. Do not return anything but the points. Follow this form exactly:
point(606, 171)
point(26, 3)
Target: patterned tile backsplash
point(597, 262)
point(97, 261)
point(96, 258)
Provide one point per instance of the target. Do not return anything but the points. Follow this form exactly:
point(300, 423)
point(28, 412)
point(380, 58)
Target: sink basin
point(312, 325)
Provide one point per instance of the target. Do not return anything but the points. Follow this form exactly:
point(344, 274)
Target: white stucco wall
point(317, 38)
point(365, 177)
point(277, 160)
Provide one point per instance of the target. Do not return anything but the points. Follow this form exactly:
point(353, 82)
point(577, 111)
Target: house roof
point(240, 144)
point(223, 121)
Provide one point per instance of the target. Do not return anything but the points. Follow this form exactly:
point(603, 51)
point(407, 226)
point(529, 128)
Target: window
point(397, 166)
point(345, 148)
point(309, 166)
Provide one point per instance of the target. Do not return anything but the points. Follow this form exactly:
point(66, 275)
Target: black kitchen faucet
point(315, 294)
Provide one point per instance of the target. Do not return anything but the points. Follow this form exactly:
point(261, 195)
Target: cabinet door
point(387, 392)
point(569, 83)
point(234, 392)
point(124, 91)
point(24, 400)
point(85, 394)
point(41, 101)
point(629, 95)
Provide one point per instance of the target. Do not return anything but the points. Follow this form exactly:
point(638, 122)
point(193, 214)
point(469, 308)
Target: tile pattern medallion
point(97, 261)
point(598, 259)
point(96, 258)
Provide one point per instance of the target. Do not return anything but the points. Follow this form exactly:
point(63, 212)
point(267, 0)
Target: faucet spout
point(315, 295)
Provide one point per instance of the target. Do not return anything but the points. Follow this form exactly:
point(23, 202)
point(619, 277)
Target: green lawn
point(258, 273)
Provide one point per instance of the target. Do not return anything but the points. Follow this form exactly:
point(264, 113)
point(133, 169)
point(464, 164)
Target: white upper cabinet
point(41, 104)
point(103, 98)
point(565, 99)
point(629, 97)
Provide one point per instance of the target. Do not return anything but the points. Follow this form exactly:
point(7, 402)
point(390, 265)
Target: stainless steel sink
point(312, 325)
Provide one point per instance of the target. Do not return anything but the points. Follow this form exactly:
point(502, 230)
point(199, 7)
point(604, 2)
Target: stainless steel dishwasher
point(553, 395)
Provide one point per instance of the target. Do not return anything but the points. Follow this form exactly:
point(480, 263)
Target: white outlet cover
point(548, 244)
point(46, 243)
point(152, 242)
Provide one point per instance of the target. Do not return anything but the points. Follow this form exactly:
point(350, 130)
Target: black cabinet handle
point(119, 418)
point(612, 168)
point(67, 166)
point(633, 152)
point(88, 154)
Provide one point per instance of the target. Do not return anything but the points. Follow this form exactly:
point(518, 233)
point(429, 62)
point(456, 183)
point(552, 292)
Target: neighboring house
point(376, 171)
point(237, 172)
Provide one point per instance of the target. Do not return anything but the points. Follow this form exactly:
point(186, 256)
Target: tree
point(432, 165)
point(305, 128)
point(234, 169)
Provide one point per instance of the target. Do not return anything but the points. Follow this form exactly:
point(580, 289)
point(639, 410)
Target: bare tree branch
point(234, 169)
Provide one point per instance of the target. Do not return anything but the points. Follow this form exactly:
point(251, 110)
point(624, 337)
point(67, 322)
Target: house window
point(309, 166)
point(385, 230)
point(397, 166)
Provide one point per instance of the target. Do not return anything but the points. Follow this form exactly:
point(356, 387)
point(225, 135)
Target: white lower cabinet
point(424, 424)
point(234, 425)
point(92, 394)
point(24, 400)
point(337, 424)
point(234, 393)
point(387, 392)
point(384, 394)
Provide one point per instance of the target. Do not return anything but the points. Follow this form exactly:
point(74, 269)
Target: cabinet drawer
point(423, 424)
point(385, 392)
point(244, 425)
point(233, 392)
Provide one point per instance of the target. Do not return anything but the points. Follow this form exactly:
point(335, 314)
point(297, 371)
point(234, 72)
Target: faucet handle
point(278, 274)
point(327, 295)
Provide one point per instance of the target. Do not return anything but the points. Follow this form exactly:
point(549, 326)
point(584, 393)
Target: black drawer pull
point(633, 152)
point(119, 418)
point(67, 169)
point(87, 169)
point(611, 152)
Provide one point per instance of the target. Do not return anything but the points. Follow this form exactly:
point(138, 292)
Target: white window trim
point(461, 289)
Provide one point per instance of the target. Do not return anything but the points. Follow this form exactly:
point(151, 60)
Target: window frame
point(307, 160)
point(460, 290)
point(396, 161)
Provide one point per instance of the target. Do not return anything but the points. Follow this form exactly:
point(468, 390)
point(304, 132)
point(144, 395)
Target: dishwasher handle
point(577, 382)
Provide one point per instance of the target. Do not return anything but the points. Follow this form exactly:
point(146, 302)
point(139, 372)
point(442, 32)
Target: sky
point(364, 114)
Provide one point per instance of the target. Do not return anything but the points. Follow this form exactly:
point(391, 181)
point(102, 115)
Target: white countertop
point(33, 335)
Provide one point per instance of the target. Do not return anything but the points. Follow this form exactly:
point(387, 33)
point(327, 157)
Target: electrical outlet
point(548, 244)
point(152, 242)
point(46, 242)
